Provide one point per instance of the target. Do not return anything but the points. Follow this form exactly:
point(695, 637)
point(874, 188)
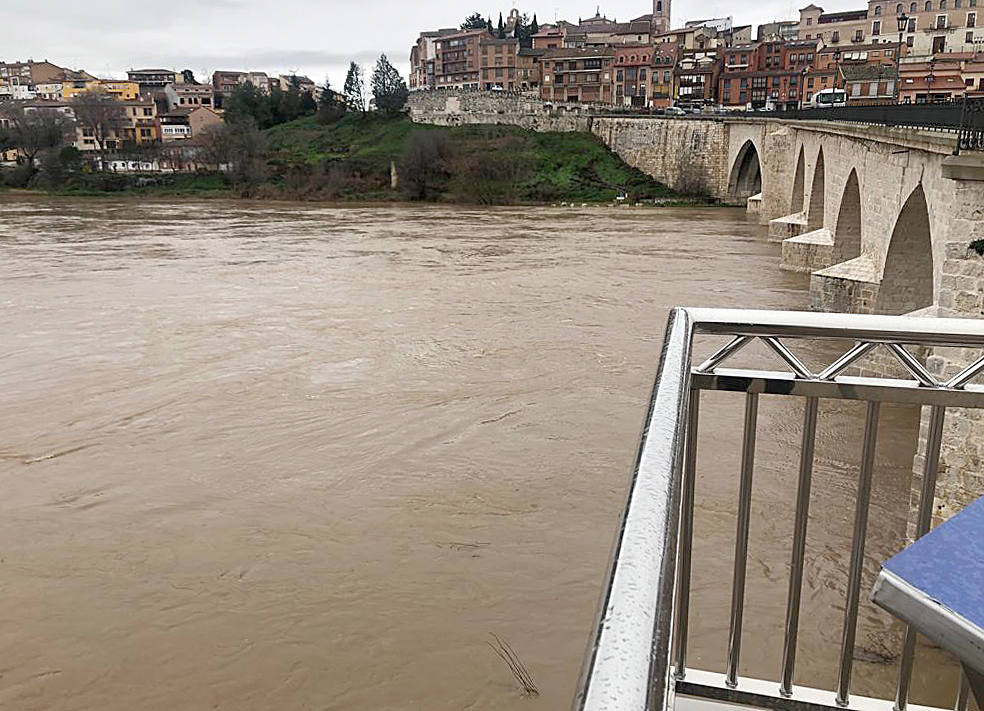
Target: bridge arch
point(746, 173)
point(796, 201)
point(907, 280)
point(847, 231)
point(814, 214)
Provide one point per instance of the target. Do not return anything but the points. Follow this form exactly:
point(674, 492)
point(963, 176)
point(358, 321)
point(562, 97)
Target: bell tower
point(661, 15)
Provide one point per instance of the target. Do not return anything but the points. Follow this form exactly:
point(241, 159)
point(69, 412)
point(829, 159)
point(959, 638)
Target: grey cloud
point(313, 37)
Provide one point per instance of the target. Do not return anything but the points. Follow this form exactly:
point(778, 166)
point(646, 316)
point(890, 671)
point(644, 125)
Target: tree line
point(523, 30)
point(388, 94)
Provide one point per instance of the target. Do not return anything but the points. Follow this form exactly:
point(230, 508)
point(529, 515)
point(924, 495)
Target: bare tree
point(237, 148)
point(33, 129)
point(215, 145)
point(102, 115)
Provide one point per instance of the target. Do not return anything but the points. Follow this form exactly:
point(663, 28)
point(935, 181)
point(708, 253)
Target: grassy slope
point(553, 166)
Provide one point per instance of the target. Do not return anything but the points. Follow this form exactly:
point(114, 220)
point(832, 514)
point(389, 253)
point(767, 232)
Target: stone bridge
point(882, 219)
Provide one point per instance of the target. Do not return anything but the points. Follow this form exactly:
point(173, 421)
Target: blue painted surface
point(948, 563)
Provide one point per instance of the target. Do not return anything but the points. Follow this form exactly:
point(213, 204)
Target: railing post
point(857, 553)
point(799, 546)
point(685, 548)
point(741, 537)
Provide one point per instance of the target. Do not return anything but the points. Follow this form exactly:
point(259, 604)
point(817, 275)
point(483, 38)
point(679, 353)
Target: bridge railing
point(637, 660)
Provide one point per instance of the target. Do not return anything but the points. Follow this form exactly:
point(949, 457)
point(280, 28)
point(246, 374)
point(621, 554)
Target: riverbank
point(385, 159)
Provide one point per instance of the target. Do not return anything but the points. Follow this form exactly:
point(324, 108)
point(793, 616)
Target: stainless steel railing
point(637, 659)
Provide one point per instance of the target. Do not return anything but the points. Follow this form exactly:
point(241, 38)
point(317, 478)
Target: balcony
point(638, 659)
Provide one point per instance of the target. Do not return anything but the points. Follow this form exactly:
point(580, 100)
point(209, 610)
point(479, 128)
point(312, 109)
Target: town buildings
point(582, 75)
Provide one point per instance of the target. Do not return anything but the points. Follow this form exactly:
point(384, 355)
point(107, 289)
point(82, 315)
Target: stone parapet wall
point(460, 108)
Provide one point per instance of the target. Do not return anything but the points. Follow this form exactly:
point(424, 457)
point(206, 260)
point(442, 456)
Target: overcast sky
point(313, 37)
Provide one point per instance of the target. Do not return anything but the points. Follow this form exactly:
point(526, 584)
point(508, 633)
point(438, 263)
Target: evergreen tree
point(489, 27)
point(247, 104)
point(388, 88)
point(475, 21)
point(534, 26)
point(501, 32)
point(331, 106)
point(354, 89)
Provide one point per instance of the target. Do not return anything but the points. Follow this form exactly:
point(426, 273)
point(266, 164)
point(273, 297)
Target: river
point(282, 456)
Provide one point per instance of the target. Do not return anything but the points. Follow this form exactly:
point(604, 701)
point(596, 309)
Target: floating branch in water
point(508, 655)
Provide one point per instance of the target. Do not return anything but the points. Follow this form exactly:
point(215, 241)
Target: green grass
point(541, 167)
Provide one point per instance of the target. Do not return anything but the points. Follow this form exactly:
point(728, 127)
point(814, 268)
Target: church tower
point(661, 15)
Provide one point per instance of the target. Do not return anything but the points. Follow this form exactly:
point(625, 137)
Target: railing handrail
point(631, 653)
point(628, 662)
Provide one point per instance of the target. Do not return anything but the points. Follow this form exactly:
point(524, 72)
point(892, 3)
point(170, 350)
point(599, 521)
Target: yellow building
point(122, 90)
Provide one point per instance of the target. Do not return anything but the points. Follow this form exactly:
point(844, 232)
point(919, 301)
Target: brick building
point(457, 61)
point(632, 67)
point(499, 63)
point(578, 74)
point(661, 74)
point(695, 79)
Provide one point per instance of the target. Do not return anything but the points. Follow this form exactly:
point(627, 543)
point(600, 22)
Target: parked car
point(674, 111)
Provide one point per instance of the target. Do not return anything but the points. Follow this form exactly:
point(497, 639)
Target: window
point(913, 7)
point(970, 38)
point(642, 74)
point(659, 5)
point(858, 35)
point(835, 37)
point(877, 10)
point(809, 82)
point(912, 24)
point(909, 41)
point(618, 75)
point(876, 27)
point(942, 4)
point(929, 6)
point(957, 3)
point(941, 22)
point(898, 9)
point(809, 21)
point(971, 19)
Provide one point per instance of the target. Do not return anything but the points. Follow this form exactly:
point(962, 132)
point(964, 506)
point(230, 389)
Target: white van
point(826, 98)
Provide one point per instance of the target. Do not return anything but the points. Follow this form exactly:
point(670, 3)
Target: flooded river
point(266, 456)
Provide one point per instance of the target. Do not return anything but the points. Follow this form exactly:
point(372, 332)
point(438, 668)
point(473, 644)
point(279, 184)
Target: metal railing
point(637, 660)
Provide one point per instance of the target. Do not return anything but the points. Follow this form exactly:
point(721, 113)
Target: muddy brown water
point(264, 456)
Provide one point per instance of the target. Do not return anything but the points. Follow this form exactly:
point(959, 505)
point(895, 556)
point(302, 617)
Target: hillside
point(351, 159)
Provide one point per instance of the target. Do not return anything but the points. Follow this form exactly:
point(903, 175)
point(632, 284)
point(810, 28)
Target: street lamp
point(802, 93)
point(903, 21)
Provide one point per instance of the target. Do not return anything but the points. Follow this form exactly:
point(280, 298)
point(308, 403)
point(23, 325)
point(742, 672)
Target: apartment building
point(936, 79)
point(770, 73)
point(632, 80)
point(578, 74)
point(153, 80)
point(189, 96)
point(695, 78)
point(457, 63)
point(661, 74)
point(498, 63)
